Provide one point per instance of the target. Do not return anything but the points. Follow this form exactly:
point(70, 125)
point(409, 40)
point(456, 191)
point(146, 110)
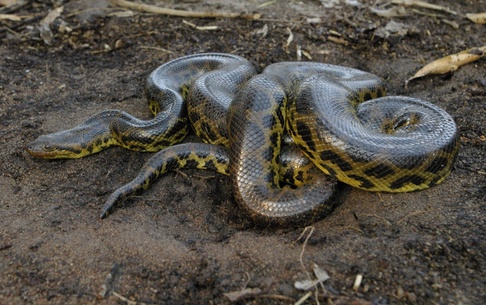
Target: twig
point(276, 297)
point(301, 255)
point(156, 48)
point(201, 28)
point(304, 298)
point(180, 13)
point(129, 302)
point(424, 4)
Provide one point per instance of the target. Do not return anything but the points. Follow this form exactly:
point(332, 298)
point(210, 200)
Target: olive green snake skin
point(338, 118)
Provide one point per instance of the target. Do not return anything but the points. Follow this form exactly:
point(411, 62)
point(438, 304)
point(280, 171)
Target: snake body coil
point(335, 115)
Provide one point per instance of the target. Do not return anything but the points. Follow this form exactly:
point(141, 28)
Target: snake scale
point(337, 117)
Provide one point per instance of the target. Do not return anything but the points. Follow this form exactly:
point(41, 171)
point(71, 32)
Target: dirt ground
point(184, 241)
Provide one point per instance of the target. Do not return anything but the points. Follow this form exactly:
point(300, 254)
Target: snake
point(284, 136)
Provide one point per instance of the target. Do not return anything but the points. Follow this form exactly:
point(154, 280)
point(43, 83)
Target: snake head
point(54, 146)
point(80, 141)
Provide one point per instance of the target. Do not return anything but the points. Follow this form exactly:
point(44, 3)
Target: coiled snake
point(335, 115)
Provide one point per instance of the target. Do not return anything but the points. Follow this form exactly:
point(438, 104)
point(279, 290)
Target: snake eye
point(46, 147)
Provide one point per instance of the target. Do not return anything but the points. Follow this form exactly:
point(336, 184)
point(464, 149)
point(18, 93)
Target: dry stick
point(424, 4)
point(129, 302)
point(173, 12)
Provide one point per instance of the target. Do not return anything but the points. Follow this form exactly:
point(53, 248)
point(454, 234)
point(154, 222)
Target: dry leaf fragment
point(289, 39)
point(396, 11)
point(357, 281)
point(329, 3)
point(242, 294)
point(314, 20)
point(477, 18)
point(45, 24)
point(263, 31)
point(338, 40)
point(450, 63)
point(321, 277)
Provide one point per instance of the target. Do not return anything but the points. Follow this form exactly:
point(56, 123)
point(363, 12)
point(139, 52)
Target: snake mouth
point(41, 149)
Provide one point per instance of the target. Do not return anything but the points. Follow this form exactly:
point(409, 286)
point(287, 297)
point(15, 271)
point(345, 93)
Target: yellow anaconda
point(336, 115)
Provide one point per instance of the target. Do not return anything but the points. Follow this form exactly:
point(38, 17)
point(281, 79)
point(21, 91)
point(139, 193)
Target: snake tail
point(187, 155)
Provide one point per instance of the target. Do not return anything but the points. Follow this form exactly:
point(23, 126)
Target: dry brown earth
point(184, 241)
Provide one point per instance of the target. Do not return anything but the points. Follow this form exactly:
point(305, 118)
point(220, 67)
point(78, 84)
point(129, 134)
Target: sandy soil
point(184, 241)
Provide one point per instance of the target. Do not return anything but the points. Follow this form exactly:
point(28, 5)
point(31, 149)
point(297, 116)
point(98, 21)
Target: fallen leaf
point(450, 63)
point(320, 274)
point(477, 18)
point(45, 24)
